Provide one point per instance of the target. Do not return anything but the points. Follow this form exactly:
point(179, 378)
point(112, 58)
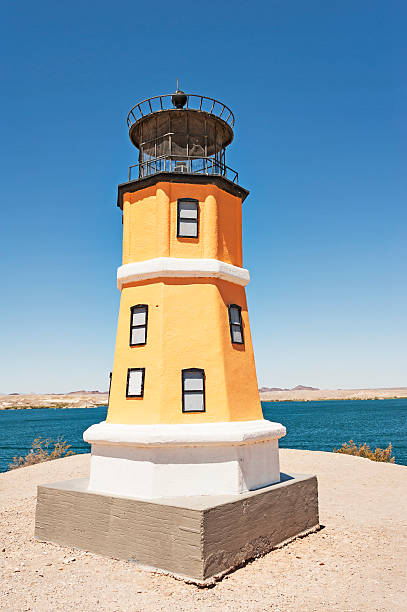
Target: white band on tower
point(174, 267)
point(197, 434)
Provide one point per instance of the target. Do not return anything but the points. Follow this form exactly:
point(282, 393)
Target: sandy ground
point(357, 562)
point(332, 394)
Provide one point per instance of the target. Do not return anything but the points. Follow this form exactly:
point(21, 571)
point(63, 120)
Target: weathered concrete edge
point(252, 542)
point(209, 582)
point(199, 502)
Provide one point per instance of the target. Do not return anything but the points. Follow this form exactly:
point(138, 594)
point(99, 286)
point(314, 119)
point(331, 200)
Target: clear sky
point(319, 92)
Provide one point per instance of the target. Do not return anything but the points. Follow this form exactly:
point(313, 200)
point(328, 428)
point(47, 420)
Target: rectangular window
point(110, 386)
point(135, 382)
point(138, 324)
point(193, 390)
point(235, 324)
point(187, 218)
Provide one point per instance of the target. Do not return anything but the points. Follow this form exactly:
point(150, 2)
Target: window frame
point(110, 386)
point(179, 202)
point(231, 324)
point(193, 392)
point(143, 371)
point(145, 325)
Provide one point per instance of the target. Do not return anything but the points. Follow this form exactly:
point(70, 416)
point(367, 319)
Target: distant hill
point(297, 388)
point(76, 399)
point(311, 394)
point(87, 392)
point(304, 388)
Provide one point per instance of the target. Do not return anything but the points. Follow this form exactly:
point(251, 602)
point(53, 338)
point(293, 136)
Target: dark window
point(193, 390)
point(235, 324)
point(138, 324)
point(187, 218)
point(110, 386)
point(135, 382)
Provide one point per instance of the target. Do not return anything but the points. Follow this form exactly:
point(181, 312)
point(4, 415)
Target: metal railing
point(178, 164)
point(194, 101)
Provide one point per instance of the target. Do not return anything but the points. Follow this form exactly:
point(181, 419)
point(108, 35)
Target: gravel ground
point(358, 561)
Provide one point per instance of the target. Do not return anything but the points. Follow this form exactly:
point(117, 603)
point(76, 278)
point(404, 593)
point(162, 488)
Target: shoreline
point(320, 395)
point(64, 407)
point(333, 399)
point(94, 400)
point(34, 401)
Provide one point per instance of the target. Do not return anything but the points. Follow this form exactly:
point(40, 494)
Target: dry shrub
point(41, 450)
point(364, 450)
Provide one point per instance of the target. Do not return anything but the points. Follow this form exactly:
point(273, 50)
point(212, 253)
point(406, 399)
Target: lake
point(310, 425)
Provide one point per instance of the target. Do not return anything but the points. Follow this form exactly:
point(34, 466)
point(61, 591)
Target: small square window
point(135, 382)
point(187, 218)
point(193, 390)
point(138, 324)
point(236, 324)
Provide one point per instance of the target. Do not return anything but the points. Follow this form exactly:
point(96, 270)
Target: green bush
point(363, 450)
point(41, 450)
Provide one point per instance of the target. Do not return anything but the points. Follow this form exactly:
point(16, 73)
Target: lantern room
point(181, 132)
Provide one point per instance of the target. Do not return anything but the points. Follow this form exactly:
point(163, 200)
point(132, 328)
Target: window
point(135, 382)
point(193, 390)
point(235, 324)
point(187, 218)
point(110, 386)
point(138, 324)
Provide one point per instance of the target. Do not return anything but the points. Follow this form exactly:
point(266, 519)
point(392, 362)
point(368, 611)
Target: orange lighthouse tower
point(184, 415)
point(184, 472)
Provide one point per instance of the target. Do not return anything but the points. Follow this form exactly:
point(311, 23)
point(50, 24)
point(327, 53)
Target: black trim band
point(171, 177)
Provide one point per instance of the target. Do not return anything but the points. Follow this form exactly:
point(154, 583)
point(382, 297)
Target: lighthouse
point(184, 472)
point(184, 415)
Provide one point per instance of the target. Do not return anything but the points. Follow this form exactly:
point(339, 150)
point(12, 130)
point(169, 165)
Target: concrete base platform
point(197, 538)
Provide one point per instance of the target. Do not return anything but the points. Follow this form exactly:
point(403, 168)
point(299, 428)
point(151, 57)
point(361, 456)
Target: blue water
point(18, 428)
point(326, 425)
point(310, 425)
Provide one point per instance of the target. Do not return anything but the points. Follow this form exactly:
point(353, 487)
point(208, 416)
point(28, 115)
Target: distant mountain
point(304, 388)
point(83, 392)
point(297, 388)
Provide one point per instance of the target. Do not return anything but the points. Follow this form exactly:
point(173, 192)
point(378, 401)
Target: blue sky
point(319, 94)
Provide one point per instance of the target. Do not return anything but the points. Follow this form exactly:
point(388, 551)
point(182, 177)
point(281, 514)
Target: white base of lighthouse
point(153, 461)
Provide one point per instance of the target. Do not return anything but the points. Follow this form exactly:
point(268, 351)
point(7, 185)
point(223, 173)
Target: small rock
point(48, 564)
point(69, 560)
